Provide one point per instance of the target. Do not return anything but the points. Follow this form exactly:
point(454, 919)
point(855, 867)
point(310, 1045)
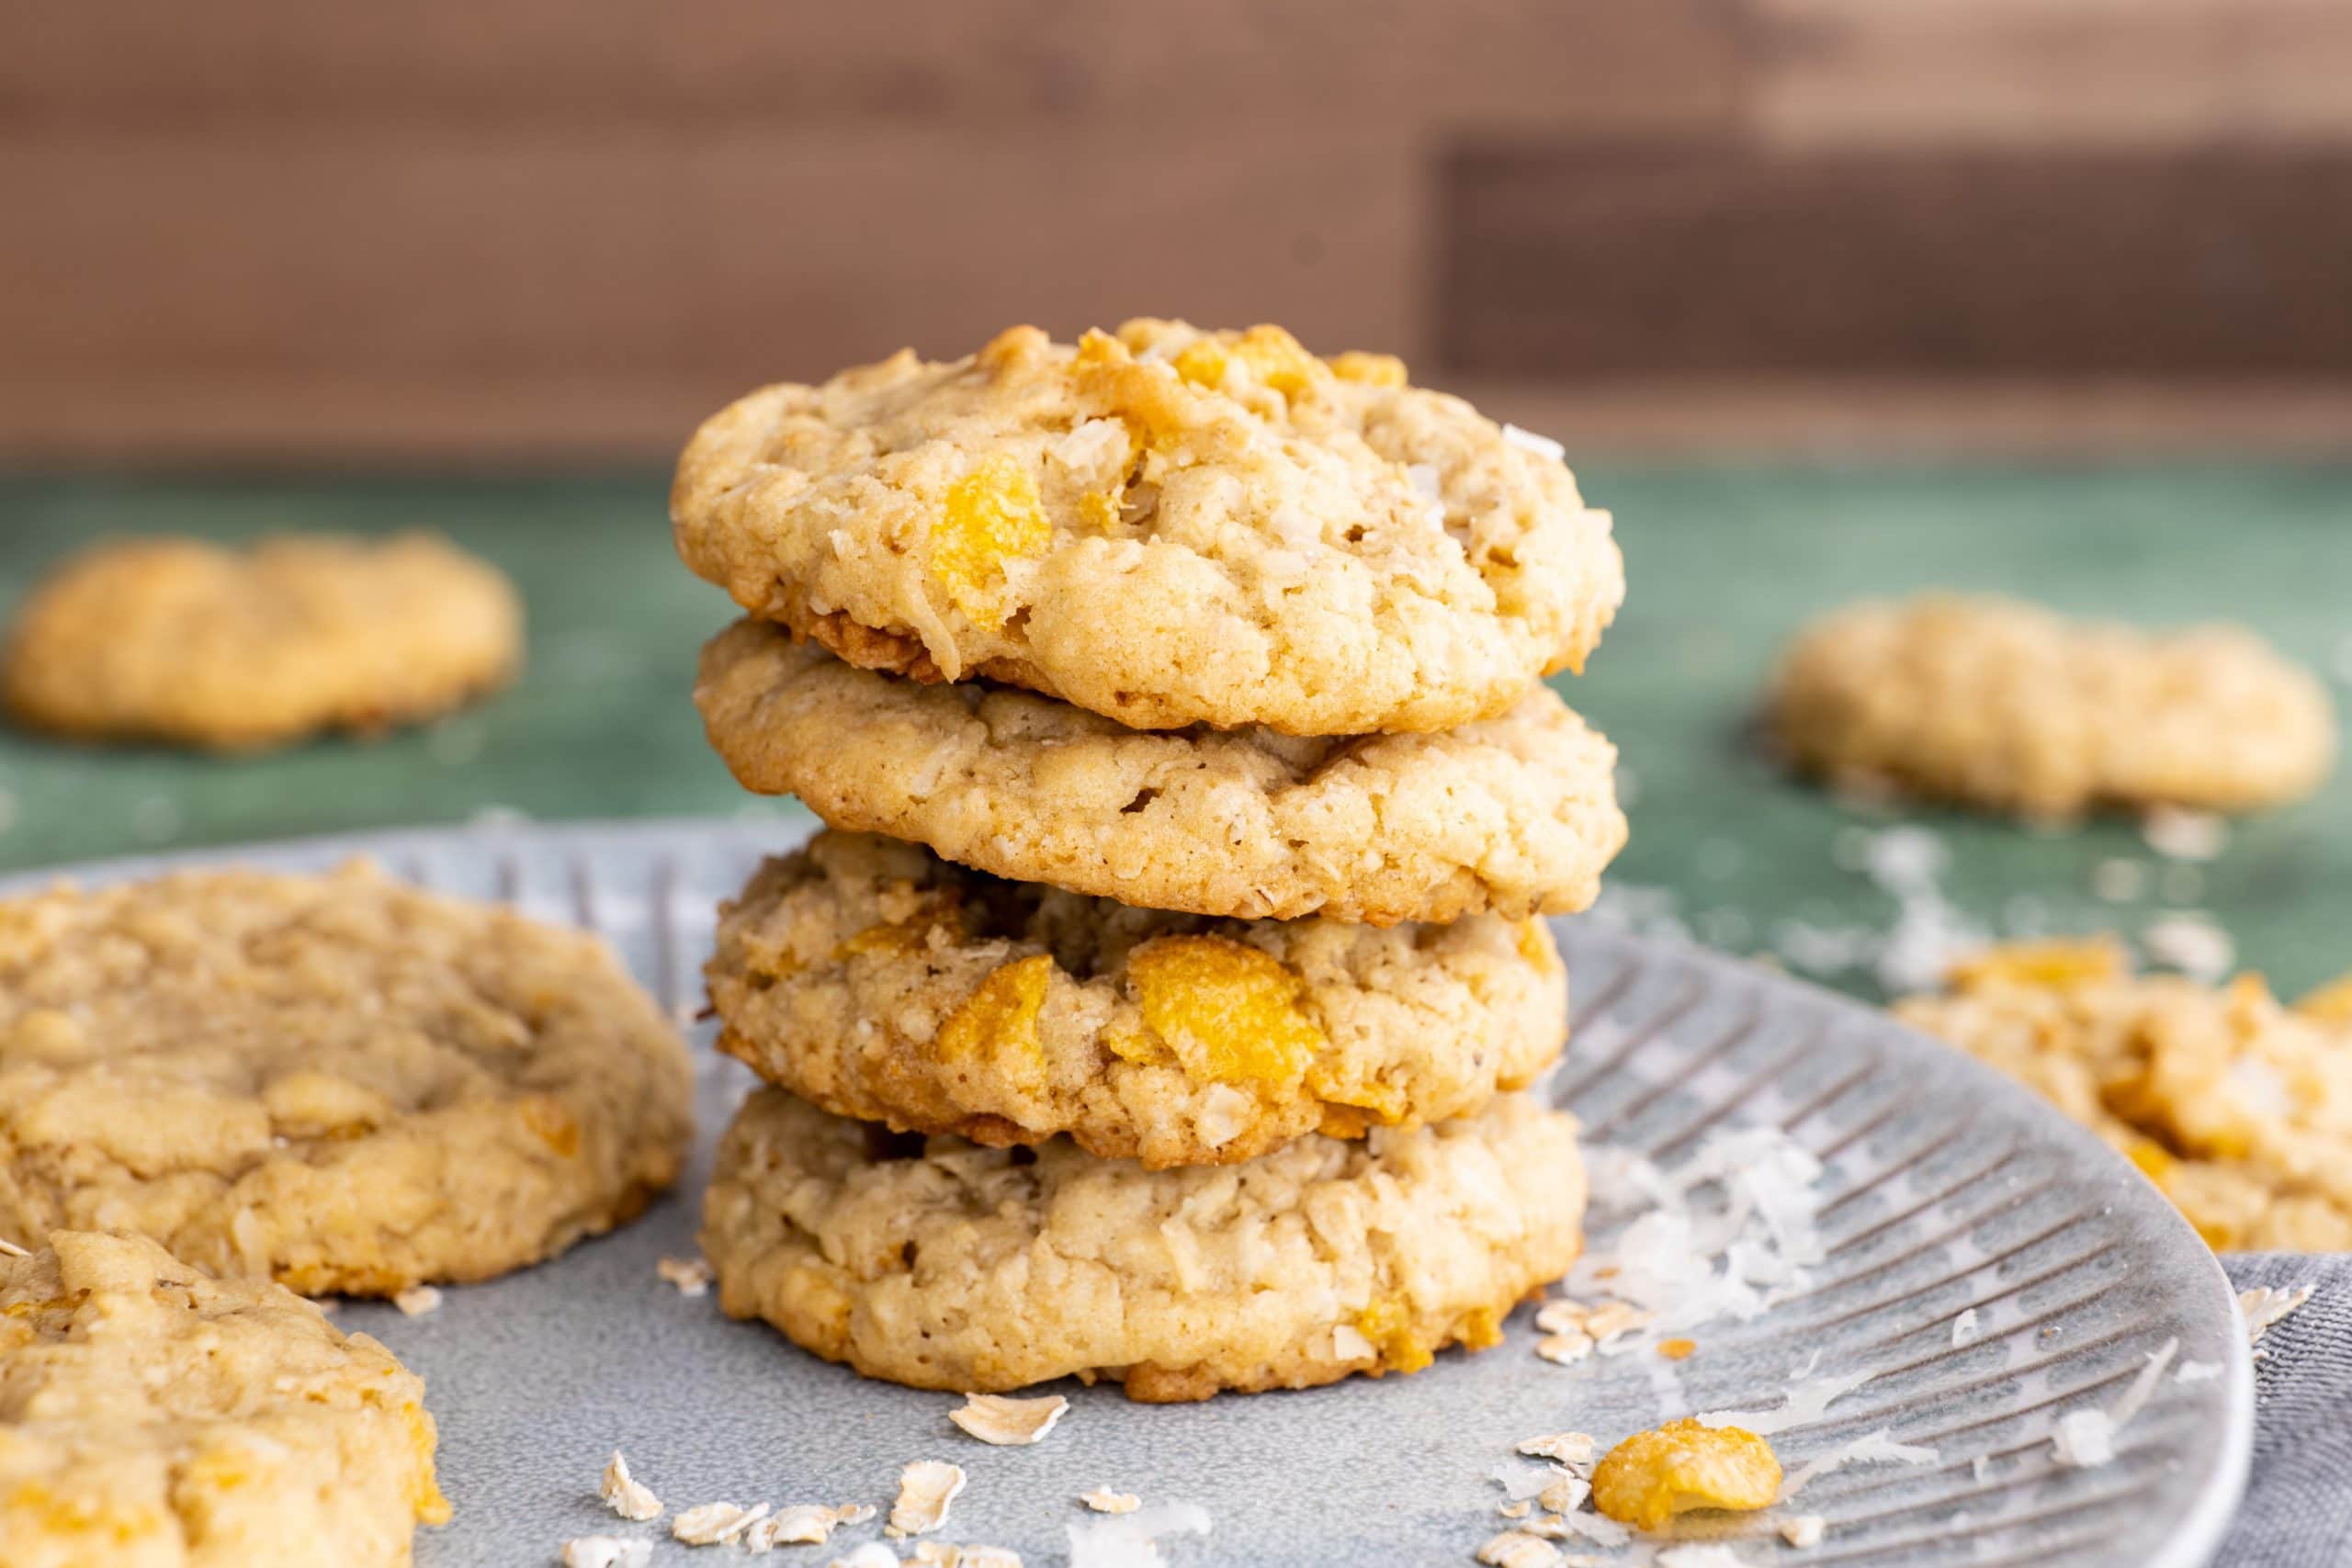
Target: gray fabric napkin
point(2298, 1509)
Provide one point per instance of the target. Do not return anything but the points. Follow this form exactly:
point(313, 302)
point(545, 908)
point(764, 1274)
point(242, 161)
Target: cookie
point(152, 1417)
point(1515, 815)
point(335, 1081)
point(944, 1265)
point(1169, 527)
point(2003, 704)
point(2238, 1107)
point(885, 983)
point(179, 640)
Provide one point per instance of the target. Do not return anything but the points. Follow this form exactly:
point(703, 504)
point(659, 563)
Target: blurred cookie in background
point(184, 641)
point(2005, 705)
point(2238, 1106)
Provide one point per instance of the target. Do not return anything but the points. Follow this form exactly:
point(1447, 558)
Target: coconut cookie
point(946, 1266)
point(2238, 1107)
point(1168, 526)
point(335, 1081)
point(1515, 815)
point(152, 1417)
point(2004, 704)
point(180, 640)
point(885, 983)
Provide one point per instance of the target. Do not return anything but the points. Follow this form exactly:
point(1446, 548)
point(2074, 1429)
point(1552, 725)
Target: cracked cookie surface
point(337, 1081)
point(2004, 704)
point(943, 1265)
point(889, 985)
point(180, 640)
point(1513, 816)
point(1165, 526)
point(151, 1417)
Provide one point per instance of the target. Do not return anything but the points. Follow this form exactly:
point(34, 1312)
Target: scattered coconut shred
point(2264, 1305)
point(2085, 1439)
point(1131, 1539)
point(606, 1552)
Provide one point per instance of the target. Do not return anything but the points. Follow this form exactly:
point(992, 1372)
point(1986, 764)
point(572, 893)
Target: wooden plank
point(2051, 72)
point(722, 257)
point(1575, 262)
point(1211, 64)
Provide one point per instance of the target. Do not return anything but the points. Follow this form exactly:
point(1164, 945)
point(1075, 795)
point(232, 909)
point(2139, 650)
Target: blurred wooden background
point(526, 230)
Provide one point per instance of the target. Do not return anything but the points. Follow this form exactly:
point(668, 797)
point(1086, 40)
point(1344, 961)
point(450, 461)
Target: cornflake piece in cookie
point(624, 1495)
point(606, 1552)
point(690, 1275)
point(417, 1300)
point(713, 1524)
point(2265, 1305)
point(925, 1489)
point(1102, 1500)
point(1803, 1530)
point(1007, 1422)
point(1517, 1549)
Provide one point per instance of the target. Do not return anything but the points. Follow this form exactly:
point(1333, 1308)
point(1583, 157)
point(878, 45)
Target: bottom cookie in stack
point(1231, 1153)
point(942, 1264)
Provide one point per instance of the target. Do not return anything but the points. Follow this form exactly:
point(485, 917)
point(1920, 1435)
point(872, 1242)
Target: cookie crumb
point(1102, 1500)
point(690, 1275)
point(714, 1524)
point(417, 1300)
point(606, 1552)
point(925, 1489)
point(1008, 1423)
point(624, 1495)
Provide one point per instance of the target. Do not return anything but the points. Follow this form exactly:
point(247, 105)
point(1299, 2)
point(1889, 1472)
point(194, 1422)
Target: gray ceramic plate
point(1947, 1188)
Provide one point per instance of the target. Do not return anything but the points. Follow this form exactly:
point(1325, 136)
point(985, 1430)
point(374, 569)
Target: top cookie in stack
point(1172, 530)
point(1237, 651)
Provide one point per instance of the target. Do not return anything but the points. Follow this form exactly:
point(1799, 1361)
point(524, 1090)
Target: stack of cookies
point(1150, 1007)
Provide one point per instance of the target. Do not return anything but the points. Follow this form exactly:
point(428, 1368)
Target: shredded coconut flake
point(1594, 1528)
point(417, 1300)
point(1008, 1423)
point(1347, 1344)
point(2264, 1305)
point(1695, 1556)
point(925, 1488)
point(1875, 1447)
point(624, 1495)
point(1808, 1400)
point(1518, 1510)
point(714, 1524)
point(1102, 1500)
point(2198, 1372)
point(1964, 1328)
point(2177, 834)
point(1803, 1530)
point(1131, 1540)
point(606, 1552)
point(2085, 1439)
point(1564, 1493)
point(870, 1554)
point(690, 1275)
point(2192, 944)
point(10, 1249)
point(1541, 445)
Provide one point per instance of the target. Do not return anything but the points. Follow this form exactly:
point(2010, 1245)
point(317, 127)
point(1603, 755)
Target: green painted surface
point(1724, 562)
